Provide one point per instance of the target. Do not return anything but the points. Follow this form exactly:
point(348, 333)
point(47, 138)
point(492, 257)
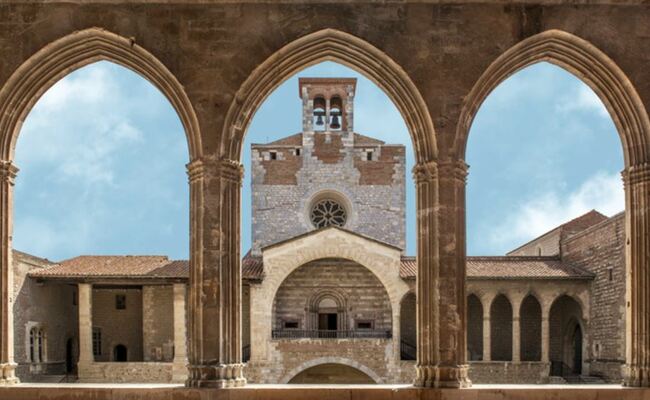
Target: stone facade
point(56, 318)
point(289, 175)
point(601, 250)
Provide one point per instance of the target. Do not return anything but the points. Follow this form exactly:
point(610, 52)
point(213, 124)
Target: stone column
point(7, 365)
point(427, 310)
point(516, 334)
point(179, 365)
point(637, 226)
point(487, 334)
point(85, 294)
point(545, 333)
point(215, 274)
point(453, 367)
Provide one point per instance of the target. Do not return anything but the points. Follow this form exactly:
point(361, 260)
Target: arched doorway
point(531, 329)
point(332, 374)
point(501, 329)
point(575, 346)
point(566, 341)
point(474, 328)
point(408, 328)
point(120, 353)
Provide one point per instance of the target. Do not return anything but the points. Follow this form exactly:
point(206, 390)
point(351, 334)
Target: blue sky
point(102, 161)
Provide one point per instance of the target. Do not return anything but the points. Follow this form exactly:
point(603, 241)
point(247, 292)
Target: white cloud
point(602, 192)
point(583, 99)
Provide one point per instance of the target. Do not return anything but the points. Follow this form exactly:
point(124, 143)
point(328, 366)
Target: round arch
point(586, 62)
point(344, 48)
point(57, 59)
point(331, 360)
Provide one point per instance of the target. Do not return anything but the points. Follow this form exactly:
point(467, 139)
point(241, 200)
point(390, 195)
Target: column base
point(8, 374)
point(426, 376)
point(636, 376)
point(456, 377)
point(216, 376)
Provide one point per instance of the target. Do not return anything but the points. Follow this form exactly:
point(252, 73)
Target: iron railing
point(327, 334)
point(407, 351)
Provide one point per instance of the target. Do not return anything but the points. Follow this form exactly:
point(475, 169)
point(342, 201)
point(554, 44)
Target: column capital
point(638, 173)
point(456, 168)
point(426, 171)
point(195, 170)
point(8, 171)
point(231, 170)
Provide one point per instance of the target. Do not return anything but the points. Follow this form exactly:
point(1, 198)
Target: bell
point(335, 122)
point(319, 120)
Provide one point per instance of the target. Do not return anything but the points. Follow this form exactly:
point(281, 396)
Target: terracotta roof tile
point(107, 266)
point(500, 267)
point(509, 267)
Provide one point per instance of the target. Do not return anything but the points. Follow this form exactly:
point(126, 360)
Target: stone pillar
point(487, 334)
point(637, 226)
point(545, 333)
point(179, 367)
point(215, 274)
point(85, 294)
point(516, 334)
point(427, 310)
point(7, 365)
point(453, 367)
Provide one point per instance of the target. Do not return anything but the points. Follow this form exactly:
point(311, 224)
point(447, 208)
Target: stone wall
point(363, 296)
point(508, 372)
point(601, 250)
point(127, 372)
point(56, 315)
point(284, 189)
point(158, 323)
point(118, 326)
point(291, 356)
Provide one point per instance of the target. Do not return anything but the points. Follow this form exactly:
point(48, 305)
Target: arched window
point(501, 329)
point(36, 345)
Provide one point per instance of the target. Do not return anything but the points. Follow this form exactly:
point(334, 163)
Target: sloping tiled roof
point(109, 266)
point(296, 140)
point(509, 267)
point(501, 267)
point(293, 140)
point(134, 267)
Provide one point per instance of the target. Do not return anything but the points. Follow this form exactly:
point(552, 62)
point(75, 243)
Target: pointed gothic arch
point(587, 63)
point(343, 48)
point(78, 49)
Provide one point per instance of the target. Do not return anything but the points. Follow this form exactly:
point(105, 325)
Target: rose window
point(328, 212)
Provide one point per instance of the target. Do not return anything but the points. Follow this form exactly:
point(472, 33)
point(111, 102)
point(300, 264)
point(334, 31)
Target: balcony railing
point(327, 334)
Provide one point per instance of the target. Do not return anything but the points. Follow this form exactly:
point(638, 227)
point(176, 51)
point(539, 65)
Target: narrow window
point(610, 274)
point(297, 152)
point(273, 155)
point(40, 345)
point(97, 342)
point(369, 156)
point(32, 340)
point(120, 302)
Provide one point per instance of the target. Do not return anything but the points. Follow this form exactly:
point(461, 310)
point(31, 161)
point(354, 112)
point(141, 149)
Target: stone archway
point(17, 97)
point(338, 46)
point(329, 361)
point(630, 117)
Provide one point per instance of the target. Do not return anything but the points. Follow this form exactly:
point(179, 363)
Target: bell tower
point(327, 105)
